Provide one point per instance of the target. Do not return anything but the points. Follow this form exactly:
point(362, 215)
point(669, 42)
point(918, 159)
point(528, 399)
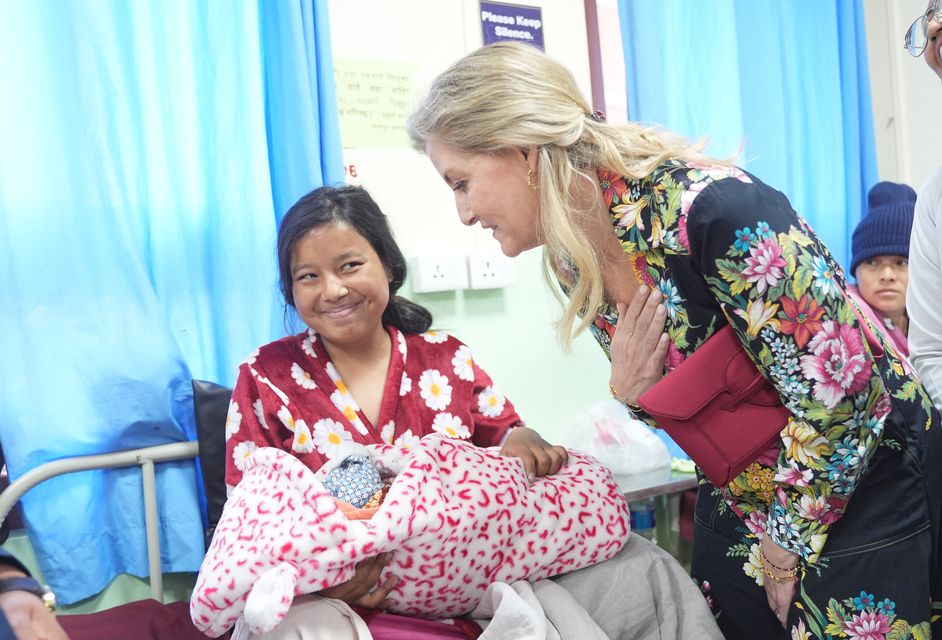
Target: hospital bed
point(151, 619)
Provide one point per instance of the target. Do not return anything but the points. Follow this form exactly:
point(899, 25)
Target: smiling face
point(340, 285)
point(492, 190)
point(882, 282)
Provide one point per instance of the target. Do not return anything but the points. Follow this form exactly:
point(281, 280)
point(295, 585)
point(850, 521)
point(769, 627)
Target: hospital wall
point(510, 330)
point(906, 95)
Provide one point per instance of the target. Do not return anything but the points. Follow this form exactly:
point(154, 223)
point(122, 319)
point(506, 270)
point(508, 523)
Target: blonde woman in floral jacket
point(832, 532)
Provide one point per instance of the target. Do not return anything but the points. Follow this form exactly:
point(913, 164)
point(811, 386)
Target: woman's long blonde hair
point(511, 95)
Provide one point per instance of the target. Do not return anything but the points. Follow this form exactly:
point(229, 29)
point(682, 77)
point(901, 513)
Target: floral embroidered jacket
point(722, 247)
point(289, 395)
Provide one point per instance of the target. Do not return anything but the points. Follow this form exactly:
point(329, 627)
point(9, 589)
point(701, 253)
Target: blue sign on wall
point(502, 21)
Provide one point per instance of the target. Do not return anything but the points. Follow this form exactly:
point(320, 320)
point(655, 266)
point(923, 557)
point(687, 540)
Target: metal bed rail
point(145, 458)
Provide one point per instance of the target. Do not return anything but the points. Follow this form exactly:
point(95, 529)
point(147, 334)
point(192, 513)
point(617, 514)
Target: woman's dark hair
point(353, 207)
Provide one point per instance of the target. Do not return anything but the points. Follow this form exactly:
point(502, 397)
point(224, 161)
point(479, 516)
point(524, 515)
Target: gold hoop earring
point(530, 180)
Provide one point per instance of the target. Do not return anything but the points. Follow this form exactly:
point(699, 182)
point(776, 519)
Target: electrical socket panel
point(430, 273)
point(490, 270)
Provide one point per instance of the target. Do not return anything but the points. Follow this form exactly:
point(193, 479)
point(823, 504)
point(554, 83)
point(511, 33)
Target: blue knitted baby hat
point(885, 230)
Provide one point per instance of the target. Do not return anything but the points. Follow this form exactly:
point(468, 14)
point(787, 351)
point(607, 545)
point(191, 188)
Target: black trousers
point(879, 568)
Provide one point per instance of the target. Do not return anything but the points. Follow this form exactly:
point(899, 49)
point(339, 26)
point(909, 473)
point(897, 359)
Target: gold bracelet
point(765, 560)
point(767, 567)
point(786, 578)
point(631, 405)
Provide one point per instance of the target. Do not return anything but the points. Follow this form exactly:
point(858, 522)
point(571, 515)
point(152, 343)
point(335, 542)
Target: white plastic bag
point(607, 431)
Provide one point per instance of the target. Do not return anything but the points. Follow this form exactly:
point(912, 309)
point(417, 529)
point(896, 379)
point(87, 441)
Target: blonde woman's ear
point(531, 155)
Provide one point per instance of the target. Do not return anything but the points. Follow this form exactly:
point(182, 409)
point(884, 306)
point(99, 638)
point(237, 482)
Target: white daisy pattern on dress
point(435, 389)
point(268, 383)
point(302, 377)
point(407, 440)
point(406, 385)
point(233, 420)
point(250, 359)
point(307, 345)
point(348, 407)
point(344, 401)
point(332, 372)
point(463, 364)
point(260, 413)
point(401, 341)
point(435, 337)
point(387, 432)
point(491, 402)
point(241, 453)
point(451, 426)
point(303, 442)
point(328, 436)
point(286, 418)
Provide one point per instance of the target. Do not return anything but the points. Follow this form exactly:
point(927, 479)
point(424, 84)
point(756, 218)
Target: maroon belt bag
point(719, 409)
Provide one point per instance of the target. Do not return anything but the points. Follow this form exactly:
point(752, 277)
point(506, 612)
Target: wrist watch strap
point(23, 583)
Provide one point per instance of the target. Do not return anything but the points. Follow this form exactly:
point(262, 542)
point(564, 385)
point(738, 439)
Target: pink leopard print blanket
point(457, 517)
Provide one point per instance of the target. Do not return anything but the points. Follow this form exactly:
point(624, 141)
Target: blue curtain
point(147, 152)
point(786, 79)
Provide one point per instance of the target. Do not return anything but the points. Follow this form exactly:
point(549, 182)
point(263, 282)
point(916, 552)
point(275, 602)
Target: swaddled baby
point(358, 485)
point(456, 518)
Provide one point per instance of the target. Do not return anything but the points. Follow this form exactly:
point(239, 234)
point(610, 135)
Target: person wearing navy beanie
point(880, 259)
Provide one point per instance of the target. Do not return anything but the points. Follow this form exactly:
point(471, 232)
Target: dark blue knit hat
point(885, 230)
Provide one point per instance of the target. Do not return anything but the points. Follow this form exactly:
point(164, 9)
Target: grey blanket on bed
point(641, 594)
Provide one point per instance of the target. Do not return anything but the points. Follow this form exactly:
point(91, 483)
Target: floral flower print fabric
point(767, 274)
point(297, 401)
point(723, 248)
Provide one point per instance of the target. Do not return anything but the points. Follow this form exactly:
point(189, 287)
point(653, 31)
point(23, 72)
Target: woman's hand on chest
point(639, 345)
